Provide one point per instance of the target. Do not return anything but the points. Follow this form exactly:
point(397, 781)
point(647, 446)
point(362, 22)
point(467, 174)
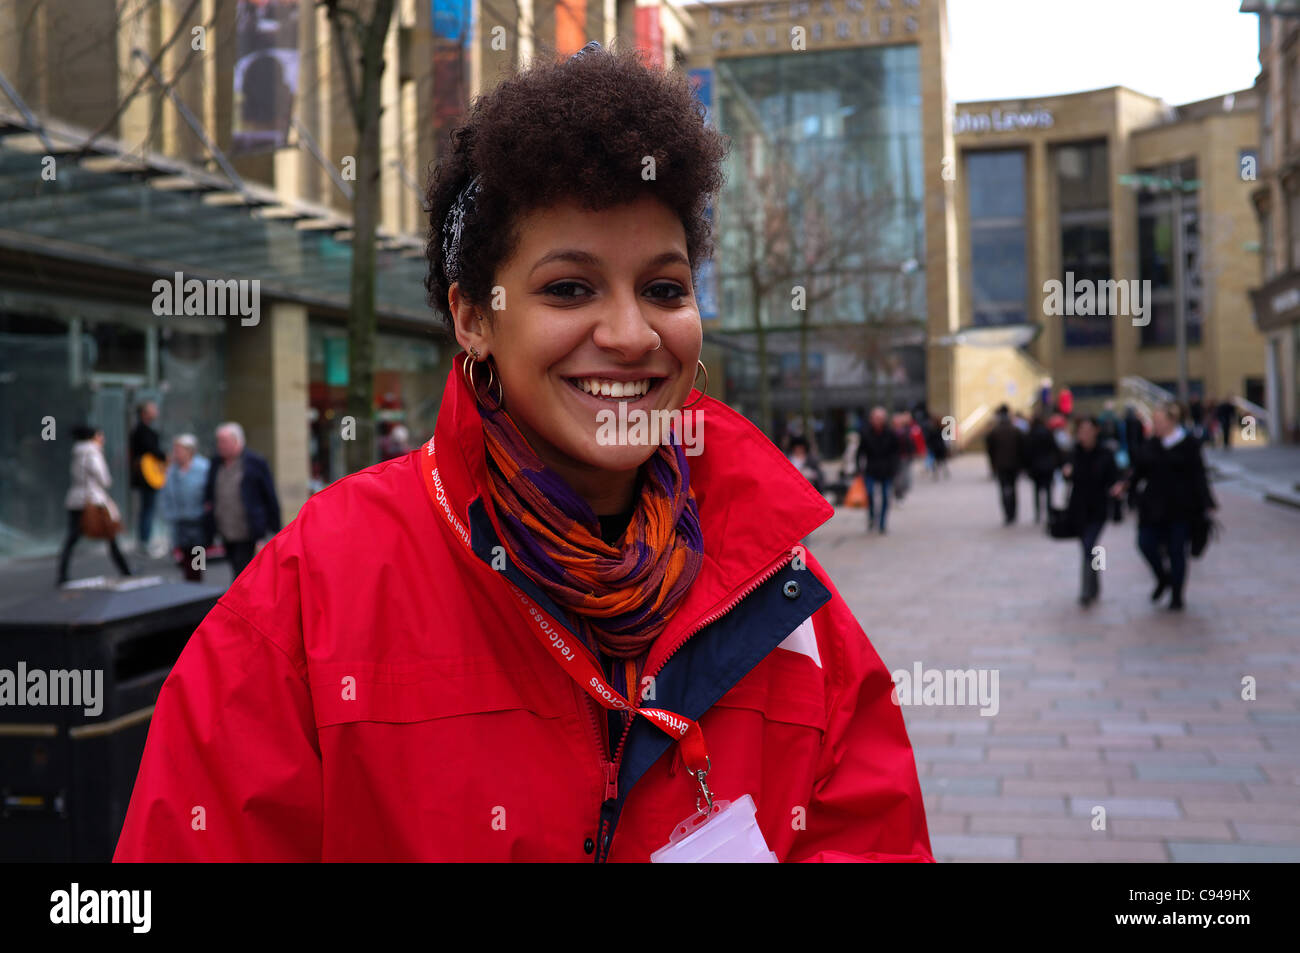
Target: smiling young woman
point(525, 641)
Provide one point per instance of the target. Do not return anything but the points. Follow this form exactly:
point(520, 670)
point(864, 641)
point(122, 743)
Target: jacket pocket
point(784, 687)
point(399, 693)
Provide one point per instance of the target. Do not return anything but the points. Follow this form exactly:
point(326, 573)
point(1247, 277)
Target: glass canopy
point(155, 216)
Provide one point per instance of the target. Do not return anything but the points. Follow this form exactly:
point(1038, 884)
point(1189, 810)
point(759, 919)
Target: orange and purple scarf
point(622, 595)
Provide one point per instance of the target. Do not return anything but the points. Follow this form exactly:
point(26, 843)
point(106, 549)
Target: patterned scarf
point(620, 596)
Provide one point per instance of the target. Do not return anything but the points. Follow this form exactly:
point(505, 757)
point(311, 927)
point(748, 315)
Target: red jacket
point(368, 688)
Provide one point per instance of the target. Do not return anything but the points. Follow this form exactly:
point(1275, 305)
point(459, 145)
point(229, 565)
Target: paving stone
point(961, 786)
point(939, 823)
point(1142, 728)
point(1127, 807)
point(1198, 772)
point(1184, 852)
point(1006, 804)
point(1255, 811)
point(1249, 832)
point(972, 846)
point(1146, 828)
point(948, 753)
point(1023, 825)
point(1099, 788)
point(1056, 849)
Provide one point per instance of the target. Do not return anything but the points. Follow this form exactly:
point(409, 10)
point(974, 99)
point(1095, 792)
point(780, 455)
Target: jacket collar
point(754, 506)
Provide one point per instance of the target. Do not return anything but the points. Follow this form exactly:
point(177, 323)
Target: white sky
point(1178, 50)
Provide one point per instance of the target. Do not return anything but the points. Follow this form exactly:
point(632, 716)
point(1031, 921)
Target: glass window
point(408, 381)
point(827, 153)
point(1293, 226)
point(1156, 256)
point(999, 276)
point(1083, 196)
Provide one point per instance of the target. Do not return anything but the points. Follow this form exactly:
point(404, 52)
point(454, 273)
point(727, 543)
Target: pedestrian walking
point(89, 494)
point(1094, 483)
point(879, 453)
point(520, 642)
point(181, 502)
point(1196, 412)
point(1227, 414)
point(1044, 459)
point(937, 446)
point(1173, 493)
point(1005, 444)
point(239, 499)
point(146, 457)
point(902, 426)
point(803, 461)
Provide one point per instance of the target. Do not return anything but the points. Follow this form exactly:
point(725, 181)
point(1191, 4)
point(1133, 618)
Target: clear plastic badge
point(729, 834)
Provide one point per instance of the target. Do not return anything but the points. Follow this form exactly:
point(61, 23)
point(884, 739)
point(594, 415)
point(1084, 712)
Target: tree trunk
point(760, 334)
point(805, 393)
point(359, 452)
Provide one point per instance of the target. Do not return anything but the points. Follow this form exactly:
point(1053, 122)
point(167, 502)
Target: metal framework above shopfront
point(150, 216)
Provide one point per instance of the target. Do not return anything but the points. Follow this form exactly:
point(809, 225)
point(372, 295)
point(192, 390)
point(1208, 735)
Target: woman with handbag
point(1094, 482)
point(91, 511)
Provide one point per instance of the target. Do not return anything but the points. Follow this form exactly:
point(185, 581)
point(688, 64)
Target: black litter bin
point(66, 776)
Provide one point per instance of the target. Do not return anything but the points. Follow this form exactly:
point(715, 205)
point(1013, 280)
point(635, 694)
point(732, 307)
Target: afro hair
point(579, 130)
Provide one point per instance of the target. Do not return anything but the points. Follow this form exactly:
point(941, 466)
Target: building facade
point(1276, 200)
point(1080, 188)
point(837, 111)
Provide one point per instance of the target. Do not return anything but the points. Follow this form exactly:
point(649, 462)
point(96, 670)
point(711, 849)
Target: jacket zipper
point(612, 766)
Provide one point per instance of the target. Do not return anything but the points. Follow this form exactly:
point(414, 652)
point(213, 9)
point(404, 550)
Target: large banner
point(649, 32)
point(453, 23)
point(570, 27)
point(266, 73)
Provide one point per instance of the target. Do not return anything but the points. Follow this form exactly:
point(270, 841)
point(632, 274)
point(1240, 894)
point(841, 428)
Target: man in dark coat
point(1006, 448)
point(239, 501)
point(144, 440)
point(879, 455)
point(1044, 459)
point(1094, 481)
point(1227, 415)
point(1173, 494)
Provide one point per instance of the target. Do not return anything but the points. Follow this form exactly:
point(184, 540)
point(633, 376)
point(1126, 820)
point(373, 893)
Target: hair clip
point(455, 225)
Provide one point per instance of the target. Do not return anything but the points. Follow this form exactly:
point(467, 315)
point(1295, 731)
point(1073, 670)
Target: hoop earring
point(467, 372)
point(706, 385)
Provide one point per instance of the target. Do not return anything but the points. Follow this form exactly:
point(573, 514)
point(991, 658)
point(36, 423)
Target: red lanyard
point(576, 659)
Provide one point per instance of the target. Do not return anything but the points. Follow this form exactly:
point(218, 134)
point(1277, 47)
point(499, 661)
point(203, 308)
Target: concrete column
point(1043, 241)
point(1273, 386)
point(266, 392)
point(939, 152)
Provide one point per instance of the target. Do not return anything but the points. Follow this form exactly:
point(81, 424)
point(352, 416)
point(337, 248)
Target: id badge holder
point(727, 834)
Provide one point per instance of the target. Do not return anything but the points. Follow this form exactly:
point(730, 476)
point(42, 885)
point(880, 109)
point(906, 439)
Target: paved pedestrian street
point(1123, 706)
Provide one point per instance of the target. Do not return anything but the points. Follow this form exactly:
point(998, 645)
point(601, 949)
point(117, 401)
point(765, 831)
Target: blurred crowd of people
point(233, 499)
point(1113, 463)
point(877, 463)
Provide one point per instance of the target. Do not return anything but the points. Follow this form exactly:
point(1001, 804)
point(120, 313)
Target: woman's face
point(1162, 424)
point(582, 304)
